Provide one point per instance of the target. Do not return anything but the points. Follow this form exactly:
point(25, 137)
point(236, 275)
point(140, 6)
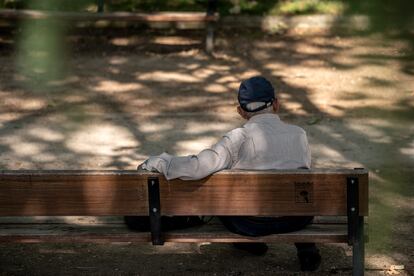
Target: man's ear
point(241, 112)
point(276, 105)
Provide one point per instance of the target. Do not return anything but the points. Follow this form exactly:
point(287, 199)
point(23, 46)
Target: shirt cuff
point(165, 163)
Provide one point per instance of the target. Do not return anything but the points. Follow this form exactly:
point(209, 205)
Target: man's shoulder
point(295, 128)
point(237, 133)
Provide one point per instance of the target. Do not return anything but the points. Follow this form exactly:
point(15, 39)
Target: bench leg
point(154, 206)
point(101, 5)
point(358, 249)
point(210, 38)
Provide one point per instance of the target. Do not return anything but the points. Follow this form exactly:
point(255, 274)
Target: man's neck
point(263, 116)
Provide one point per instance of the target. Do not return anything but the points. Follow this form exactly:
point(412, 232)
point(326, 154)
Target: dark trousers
point(306, 247)
point(261, 226)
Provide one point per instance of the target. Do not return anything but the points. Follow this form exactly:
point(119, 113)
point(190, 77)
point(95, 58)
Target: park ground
point(125, 95)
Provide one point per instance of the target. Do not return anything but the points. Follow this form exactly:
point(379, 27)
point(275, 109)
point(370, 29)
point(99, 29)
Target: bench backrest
point(253, 193)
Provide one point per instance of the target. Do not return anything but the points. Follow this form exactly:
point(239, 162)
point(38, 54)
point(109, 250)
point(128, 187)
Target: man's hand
point(145, 167)
point(151, 164)
point(141, 166)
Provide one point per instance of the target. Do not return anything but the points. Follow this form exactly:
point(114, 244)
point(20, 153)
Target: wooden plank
point(253, 193)
point(79, 220)
point(347, 172)
point(54, 194)
point(329, 220)
point(111, 16)
point(262, 194)
point(113, 233)
point(85, 220)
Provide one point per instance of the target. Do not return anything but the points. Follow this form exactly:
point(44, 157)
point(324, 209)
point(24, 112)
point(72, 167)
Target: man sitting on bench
point(263, 143)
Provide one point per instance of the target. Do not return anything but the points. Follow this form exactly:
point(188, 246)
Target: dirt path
point(125, 97)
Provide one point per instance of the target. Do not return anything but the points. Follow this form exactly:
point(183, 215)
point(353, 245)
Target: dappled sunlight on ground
point(160, 76)
point(100, 139)
point(174, 40)
point(408, 151)
point(125, 100)
point(114, 87)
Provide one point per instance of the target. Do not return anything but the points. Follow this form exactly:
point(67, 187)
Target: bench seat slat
point(84, 220)
point(104, 233)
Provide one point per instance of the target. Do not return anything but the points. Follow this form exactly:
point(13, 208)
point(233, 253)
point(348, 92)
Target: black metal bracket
point(352, 208)
point(355, 227)
point(154, 205)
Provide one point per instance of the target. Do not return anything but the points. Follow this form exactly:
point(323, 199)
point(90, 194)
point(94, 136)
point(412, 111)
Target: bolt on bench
point(227, 193)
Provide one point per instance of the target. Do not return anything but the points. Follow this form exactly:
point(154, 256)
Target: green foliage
point(385, 14)
point(155, 5)
point(224, 6)
point(281, 7)
point(309, 7)
point(41, 48)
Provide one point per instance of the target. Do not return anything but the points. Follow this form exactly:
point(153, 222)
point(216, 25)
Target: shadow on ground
point(123, 96)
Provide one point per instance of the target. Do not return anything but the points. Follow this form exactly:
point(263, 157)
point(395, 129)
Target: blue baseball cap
point(256, 90)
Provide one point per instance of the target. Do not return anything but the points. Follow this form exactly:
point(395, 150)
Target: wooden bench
point(210, 17)
point(228, 193)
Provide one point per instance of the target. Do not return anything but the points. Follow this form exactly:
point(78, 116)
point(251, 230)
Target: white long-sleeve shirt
point(263, 143)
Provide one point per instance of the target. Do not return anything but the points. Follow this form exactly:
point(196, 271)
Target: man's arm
point(308, 158)
point(193, 167)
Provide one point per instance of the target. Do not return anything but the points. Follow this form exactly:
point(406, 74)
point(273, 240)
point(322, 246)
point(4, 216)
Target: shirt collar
point(263, 117)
